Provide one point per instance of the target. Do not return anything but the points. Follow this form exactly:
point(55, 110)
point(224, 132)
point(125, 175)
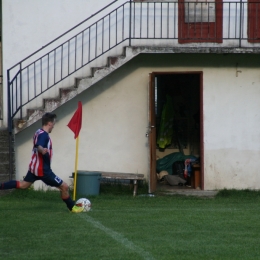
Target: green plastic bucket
point(88, 183)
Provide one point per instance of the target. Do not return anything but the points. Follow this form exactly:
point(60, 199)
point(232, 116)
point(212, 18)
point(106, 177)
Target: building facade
point(122, 62)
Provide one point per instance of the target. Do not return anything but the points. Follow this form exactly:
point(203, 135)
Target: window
point(199, 11)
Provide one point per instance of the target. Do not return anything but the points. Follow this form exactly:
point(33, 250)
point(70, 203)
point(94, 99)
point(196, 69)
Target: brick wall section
point(4, 156)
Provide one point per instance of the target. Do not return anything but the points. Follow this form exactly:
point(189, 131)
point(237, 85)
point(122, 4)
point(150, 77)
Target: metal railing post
point(130, 21)
point(10, 126)
point(240, 25)
point(21, 87)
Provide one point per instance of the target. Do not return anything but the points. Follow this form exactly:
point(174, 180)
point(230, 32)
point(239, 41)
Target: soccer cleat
point(76, 209)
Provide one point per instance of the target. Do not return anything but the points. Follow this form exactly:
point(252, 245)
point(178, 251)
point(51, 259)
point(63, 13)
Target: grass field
point(37, 225)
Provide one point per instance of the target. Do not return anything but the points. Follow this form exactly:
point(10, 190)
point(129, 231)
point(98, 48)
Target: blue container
point(88, 183)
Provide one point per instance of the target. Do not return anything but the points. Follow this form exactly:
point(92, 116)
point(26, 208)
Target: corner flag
point(75, 126)
point(76, 121)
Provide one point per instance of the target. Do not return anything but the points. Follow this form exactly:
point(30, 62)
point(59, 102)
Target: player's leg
point(52, 180)
point(13, 184)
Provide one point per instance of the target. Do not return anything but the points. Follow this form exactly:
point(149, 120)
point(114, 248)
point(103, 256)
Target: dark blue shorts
point(50, 179)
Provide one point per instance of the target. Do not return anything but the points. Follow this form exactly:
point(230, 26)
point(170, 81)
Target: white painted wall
point(115, 117)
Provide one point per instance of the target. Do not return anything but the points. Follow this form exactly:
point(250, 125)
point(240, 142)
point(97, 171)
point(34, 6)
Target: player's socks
point(10, 185)
point(69, 202)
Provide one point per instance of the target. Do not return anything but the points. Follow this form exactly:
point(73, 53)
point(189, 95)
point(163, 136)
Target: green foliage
point(37, 225)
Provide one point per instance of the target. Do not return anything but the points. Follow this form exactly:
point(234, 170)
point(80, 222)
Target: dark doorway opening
point(183, 91)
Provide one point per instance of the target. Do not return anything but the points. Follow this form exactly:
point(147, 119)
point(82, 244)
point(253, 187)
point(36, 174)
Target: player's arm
point(41, 144)
point(42, 150)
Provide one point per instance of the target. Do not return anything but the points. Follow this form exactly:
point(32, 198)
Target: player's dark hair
point(48, 117)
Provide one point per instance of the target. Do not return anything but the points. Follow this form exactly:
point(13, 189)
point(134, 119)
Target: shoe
point(76, 209)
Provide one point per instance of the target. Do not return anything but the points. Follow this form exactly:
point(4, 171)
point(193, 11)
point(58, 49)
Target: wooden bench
point(124, 176)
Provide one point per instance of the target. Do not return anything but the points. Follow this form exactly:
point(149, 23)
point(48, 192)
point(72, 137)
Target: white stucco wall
point(115, 117)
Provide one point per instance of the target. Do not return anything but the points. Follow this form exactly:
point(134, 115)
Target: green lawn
point(37, 225)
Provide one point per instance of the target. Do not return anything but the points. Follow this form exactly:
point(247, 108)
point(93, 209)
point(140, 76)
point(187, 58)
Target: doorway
point(181, 92)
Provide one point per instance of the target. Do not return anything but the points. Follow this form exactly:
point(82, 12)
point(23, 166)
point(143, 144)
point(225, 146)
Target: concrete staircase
point(80, 84)
point(98, 73)
point(4, 155)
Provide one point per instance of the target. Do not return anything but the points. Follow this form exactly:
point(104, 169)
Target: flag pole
point(76, 169)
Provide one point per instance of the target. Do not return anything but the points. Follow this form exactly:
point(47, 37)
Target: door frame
point(152, 130)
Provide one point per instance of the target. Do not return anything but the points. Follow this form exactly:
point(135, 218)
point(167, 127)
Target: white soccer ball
point(85, 203)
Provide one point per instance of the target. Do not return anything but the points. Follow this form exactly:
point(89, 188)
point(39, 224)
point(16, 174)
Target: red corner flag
point(75, 122)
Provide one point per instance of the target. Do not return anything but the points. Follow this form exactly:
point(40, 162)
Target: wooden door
point(253, 21)
point(200, 21)
point(152, 135)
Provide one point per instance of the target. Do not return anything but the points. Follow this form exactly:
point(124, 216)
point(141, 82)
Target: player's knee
point(64, 186)
point(24, 185)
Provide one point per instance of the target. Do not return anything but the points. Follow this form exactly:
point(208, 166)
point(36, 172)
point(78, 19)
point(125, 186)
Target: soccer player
point(40, 165)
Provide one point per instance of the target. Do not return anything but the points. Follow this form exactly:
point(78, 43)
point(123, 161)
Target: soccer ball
point(85, 203)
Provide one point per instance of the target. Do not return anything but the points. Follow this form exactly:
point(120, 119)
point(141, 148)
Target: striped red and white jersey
point(41, 164)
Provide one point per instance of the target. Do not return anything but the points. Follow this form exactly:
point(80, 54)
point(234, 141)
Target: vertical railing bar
point(9, 101)
point(61, 61)
point(109, 32)
point(236, 22)
point(147, 20)
point(89, 44)
point(16, 87)
point(240, 25)
point(28, 85)
point(134, 22)
point(229, 16)
point(154, 20)
point(243, 11)
point(141, 16)
point(76, 42)
point(168, 20)
point(10, 121)
point(116, 26)
point(13, 100)
point(82, 47)
point(130, 21)
point(48, 72)
point(161, 19)
point(123, 23)
point(102, 35)
point(174, 19)
point(41, 74)
point(68, 57)
point(34, 78)
point(21, 86)
point(54, 67)
point(96, 42)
